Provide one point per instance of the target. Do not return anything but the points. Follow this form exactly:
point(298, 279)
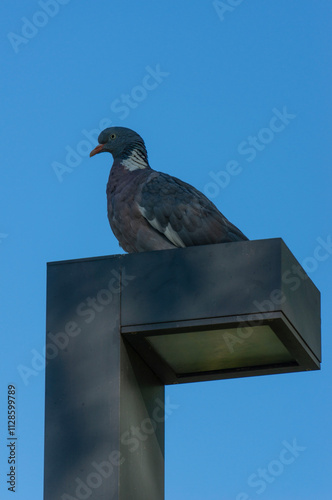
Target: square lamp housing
point(221, 311)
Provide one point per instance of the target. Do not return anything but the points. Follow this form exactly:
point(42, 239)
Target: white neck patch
point(135, 160)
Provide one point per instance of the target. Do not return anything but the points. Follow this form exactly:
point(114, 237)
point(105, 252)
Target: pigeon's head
point(121, 142)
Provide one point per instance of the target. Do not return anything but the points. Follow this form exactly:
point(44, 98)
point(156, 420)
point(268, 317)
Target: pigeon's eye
point(112, 136)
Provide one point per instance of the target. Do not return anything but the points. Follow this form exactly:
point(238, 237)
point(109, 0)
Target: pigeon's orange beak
point(98, 149)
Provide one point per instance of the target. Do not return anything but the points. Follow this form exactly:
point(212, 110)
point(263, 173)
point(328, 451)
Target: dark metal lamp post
point(126, 325)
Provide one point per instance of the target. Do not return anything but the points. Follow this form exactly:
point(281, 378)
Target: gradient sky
point(202, 83)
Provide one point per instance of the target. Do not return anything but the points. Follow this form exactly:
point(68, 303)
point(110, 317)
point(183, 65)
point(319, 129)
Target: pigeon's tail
point(235, 234)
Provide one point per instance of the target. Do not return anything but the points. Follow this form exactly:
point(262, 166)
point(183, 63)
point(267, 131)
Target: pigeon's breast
point(125, 218)
point(122, 191)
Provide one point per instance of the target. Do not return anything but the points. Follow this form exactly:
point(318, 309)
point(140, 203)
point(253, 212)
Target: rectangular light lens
point(214, 350)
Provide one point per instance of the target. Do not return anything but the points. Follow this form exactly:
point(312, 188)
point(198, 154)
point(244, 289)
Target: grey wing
point(183, 214)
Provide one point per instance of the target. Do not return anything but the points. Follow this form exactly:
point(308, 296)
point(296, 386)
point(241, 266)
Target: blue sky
point(202, 84)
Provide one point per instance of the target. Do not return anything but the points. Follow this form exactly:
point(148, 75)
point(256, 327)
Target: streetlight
point(121, 327)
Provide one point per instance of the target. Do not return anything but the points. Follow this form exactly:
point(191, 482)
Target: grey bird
point(150, 210)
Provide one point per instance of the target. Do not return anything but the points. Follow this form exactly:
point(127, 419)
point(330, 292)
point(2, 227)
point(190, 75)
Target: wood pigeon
point(150, 210)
